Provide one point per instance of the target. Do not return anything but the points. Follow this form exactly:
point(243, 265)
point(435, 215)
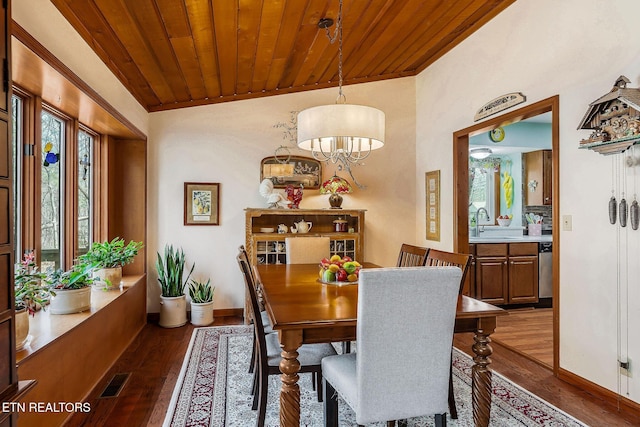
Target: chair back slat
point(412, 256)
point(437, 258)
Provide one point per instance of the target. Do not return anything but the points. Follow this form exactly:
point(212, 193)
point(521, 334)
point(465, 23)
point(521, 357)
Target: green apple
point(329, 276)
point(349, 267)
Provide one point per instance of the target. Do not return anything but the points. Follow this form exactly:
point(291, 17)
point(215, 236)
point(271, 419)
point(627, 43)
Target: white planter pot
point(69, 301)
point(173, 311)
point(201, 313)
point(108, 278)
point(22, 328)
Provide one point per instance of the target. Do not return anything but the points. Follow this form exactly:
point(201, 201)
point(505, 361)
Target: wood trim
point(70, 192)
point(461, 190)
point(35, 46)
point(223, 312)
point(36, 212)
point(610, 397)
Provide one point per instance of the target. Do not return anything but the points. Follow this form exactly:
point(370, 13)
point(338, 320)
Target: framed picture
point(432, 186)
point(294, 170)
point(201, 203)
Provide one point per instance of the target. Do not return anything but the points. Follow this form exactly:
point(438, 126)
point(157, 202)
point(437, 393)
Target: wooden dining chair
point(306, 250)
point(244, 257)
point(411, 256)
point(462, 261)
point(396, 347)
point(269, 354)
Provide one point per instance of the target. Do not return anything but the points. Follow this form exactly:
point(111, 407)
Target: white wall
point(542, 48)
point(225, 143)
point(46, 24)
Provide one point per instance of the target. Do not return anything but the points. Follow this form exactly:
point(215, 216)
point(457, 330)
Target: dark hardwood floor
point(155, 358)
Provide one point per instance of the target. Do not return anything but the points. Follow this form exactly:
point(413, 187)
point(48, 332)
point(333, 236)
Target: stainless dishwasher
point(545, 270)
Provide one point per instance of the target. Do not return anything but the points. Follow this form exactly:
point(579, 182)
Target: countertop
point(511, 239)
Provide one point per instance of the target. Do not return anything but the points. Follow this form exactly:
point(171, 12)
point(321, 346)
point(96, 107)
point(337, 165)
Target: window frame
point(29, 231)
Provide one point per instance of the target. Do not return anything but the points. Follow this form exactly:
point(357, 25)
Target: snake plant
point(170, 269)
point(201, 292)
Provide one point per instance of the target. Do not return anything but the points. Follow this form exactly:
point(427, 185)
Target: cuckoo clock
point(614, 120)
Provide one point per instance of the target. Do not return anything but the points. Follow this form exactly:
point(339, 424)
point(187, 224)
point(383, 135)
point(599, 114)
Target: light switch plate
point(567, 223)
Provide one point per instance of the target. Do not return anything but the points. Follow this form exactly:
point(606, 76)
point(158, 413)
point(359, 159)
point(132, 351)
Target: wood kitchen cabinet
point(538, 177)
point(506, 273)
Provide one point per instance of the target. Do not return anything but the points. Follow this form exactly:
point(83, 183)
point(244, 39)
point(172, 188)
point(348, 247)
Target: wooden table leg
point(290, 391)
point(481, 374)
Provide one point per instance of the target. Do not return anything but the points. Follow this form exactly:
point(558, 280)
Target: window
point(85, 195)
point(482, 193)
point(51, 191)
point(53, 183)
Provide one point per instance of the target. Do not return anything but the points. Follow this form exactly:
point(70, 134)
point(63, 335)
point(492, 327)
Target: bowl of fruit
point(339, 270)
point(504, 220)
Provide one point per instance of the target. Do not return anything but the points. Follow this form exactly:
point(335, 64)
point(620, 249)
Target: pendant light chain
point(341, 97)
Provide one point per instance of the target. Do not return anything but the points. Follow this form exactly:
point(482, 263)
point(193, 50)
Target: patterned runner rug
point(214, 389)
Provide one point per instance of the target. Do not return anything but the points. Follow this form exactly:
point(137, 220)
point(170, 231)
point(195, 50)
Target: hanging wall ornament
point(49, 157)
point(623, 212)
point(613, 209)
point(634, 212)
point(613, 203)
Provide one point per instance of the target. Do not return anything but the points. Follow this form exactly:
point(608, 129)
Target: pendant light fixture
point(340, 133)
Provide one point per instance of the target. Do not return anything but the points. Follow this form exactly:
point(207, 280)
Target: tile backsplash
point(544, 211)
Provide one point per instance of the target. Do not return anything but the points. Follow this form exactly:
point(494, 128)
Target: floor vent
point(115, 385)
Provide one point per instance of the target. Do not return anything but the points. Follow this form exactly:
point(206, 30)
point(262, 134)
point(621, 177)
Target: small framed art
point(432, 184)
point(201, 203)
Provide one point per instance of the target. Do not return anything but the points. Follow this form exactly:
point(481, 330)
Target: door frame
point(461, 191)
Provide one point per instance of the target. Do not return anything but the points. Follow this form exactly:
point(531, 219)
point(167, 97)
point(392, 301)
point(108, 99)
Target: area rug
point(214, 386)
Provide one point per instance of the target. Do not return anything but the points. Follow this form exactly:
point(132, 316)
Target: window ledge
point(45, 327)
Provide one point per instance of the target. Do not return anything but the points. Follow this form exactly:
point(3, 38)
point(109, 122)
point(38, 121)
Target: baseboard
point(223, 312)
point(614, 399)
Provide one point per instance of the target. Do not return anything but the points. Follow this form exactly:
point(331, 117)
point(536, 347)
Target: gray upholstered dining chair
point(440, 258)
point(401, 365)
point(306, 250)
point(269, 353)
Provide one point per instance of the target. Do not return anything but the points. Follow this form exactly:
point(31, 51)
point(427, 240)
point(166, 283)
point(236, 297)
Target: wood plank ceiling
point(180, 53)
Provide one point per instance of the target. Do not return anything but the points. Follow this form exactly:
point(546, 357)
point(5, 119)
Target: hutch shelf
point(269, 247)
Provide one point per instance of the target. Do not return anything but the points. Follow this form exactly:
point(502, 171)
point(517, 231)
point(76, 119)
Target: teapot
point(301, 227)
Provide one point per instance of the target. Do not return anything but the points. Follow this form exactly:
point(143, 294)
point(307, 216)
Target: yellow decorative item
point(507, 185)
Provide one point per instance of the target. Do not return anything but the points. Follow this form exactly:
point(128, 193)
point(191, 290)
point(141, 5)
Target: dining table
point(303, 310)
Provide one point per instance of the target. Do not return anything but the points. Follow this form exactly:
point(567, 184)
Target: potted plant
point(107, 258)
point(71, 290)
point(30, 292)
point(201, 294)
point(173, 303)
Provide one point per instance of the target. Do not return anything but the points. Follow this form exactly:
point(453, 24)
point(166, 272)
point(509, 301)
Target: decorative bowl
point(504, 222)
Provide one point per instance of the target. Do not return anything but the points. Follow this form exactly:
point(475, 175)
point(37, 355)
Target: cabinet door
point(538, 167)
point(492, 279)
point(523, 279)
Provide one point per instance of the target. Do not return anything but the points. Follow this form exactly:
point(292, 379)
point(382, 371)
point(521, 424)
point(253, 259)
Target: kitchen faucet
point(486, 215)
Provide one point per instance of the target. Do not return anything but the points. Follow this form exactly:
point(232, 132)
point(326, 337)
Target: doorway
point(461, 192)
